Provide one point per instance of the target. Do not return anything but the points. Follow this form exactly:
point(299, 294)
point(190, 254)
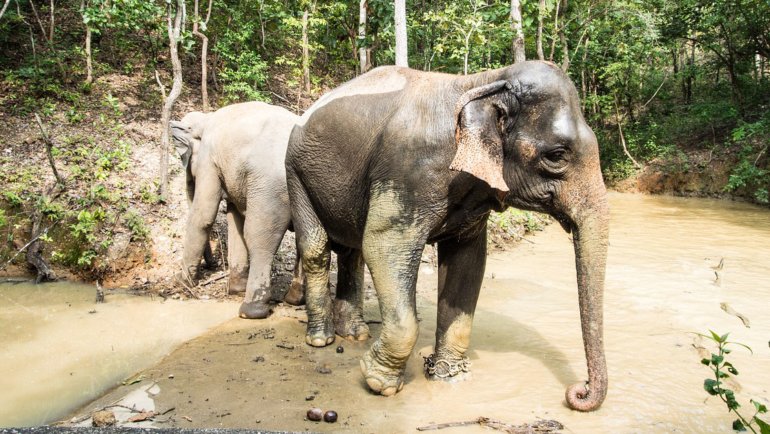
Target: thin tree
point(563, 38)
point(363, 51)
point(518, 32)
point(305, 52)
point(5, 6)
point(199, 25)
point(174, 37)
point(540, 18)
point(401, 42)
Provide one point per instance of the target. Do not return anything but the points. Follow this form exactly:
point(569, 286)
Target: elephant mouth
point(565, 222)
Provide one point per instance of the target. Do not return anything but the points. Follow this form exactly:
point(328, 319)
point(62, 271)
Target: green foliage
point(513, 224)
point(135, 223)
point(752, 172)
point(723, 369)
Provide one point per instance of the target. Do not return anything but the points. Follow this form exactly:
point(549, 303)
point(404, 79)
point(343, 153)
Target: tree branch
point(49, 150)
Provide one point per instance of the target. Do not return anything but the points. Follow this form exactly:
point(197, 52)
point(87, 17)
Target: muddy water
point(60, 349)
point(526, 345)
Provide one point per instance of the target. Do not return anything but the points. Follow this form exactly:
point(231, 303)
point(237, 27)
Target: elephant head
point(187, 136)
point(526, 137)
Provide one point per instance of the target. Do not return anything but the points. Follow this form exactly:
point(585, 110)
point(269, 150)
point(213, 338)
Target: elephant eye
point(556, 160)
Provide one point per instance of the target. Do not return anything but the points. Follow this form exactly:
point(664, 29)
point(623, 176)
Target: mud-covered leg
point(237, 255)
point(461, 270)
point(349, 302)
point(392, 247)
point(202, 213)
point(314, 250)
point(296, 293)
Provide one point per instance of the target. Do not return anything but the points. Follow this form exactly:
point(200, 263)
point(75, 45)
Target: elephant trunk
point(590, 235)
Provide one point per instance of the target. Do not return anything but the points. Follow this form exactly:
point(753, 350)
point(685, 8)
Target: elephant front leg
point(392, 247)
point(461, 270)
point(349, 301)
point(200, 218)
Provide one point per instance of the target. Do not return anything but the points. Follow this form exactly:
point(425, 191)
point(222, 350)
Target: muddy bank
point(526, 346)
point(60, 350)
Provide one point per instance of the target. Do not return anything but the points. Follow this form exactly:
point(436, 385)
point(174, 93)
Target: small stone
point(325, 369)
point(103, 418)
point(340, 349)
point(171, 376)
point(315, 414)
point(309, 397)
point(330, 416)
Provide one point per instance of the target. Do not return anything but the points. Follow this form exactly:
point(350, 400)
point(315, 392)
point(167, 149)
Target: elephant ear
point(183, 138)
point(478, 135)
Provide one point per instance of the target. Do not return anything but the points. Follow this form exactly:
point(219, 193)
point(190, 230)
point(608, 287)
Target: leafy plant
point(722, 369)
point(135, 223)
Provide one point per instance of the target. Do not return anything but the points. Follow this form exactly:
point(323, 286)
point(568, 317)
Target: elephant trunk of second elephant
point(590, 234)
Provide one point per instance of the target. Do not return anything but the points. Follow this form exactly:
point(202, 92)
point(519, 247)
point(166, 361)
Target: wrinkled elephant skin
point(238, 153)
point(398, 158)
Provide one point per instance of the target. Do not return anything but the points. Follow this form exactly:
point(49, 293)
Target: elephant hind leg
point(237, 254)
point(262, 231)
point(314, 249)
point(349, 301)
point(296, 293)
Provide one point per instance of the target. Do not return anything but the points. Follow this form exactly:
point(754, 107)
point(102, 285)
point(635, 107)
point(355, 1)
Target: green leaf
point(710, 385)
point(717, 360)
point(761, 408)
point(732, 404)
point(706, 362)
point(715, 336)
point(764, 427)
point(738, 425)
point(730, 368)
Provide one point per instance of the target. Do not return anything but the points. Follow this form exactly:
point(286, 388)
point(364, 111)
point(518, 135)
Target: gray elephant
point(238, 152)
point(398, 158)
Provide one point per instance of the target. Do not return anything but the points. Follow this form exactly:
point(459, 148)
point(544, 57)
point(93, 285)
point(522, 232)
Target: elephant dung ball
point(330, 416)
point(340, 349)
point(315, 414)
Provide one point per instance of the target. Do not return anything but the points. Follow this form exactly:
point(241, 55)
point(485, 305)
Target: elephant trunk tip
point(580, 397)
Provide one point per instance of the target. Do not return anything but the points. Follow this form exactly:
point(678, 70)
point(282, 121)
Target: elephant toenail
point(374, 384)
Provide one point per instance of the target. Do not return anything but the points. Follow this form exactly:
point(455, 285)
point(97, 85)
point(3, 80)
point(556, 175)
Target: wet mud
point(526, 346)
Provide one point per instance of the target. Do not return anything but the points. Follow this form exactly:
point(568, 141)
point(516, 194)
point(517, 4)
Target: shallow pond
point(526, 346)
point(60, 349)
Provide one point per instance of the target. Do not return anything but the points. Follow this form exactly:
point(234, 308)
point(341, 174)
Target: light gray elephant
point(238, 153)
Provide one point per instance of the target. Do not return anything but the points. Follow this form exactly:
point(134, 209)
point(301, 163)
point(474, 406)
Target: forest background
point(676, 91)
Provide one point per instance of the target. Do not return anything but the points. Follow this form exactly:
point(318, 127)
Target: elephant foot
point(349, 321)
point(450, 369)
point(254, 310)
point(319, 334)
point(381, 379)
point(296, 293)
point(186, 279)
point(236, 283)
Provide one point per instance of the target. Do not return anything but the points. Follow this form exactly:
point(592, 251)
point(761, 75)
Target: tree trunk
point(401, 42)
point(174, 32)
point(53, 22)
point(363, 60)
point(5, 6)
point(305, 53)
point(555, 30)
point(540, 18)
point(204, 55)
point(518, 32)
point(563, 38)
point(89, 64)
